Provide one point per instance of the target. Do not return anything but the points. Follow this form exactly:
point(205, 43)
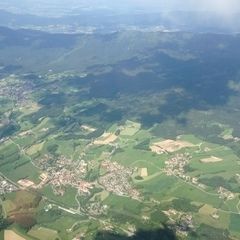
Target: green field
point(68, 199)
point(43, 233)
point(142, 87)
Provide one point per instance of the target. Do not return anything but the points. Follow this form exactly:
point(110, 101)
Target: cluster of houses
point(225, 194)
point(181, 222)
point(6, 187)
point(12, 87)
point(175, 166)
point(64, 172)
point(117, 179)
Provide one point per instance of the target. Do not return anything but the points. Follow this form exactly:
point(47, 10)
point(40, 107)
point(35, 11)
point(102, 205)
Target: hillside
point(125, 135)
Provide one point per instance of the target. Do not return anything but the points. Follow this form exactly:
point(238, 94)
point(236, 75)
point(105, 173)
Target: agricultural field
point(100, 151)
point(43, 233)
point(185, 177)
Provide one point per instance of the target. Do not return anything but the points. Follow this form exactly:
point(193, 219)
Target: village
point(63, 172)
point(175, 166)
point(13, 87)
point(117, 179)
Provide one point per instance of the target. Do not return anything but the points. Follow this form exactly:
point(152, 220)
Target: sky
point(223, 7)
point(207, 5)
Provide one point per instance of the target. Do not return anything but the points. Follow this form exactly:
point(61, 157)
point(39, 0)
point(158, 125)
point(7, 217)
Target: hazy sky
point(225, 7)
point(213, 5)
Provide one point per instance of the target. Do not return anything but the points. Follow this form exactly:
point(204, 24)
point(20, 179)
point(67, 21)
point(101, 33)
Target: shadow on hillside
point(158, 234)
point(200, 83)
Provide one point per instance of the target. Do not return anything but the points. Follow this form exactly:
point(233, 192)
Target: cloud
point(220, 6)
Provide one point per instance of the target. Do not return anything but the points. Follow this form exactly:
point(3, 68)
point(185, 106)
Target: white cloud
point(221, 6)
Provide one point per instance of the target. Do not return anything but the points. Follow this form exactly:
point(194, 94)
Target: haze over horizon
point(224, 7)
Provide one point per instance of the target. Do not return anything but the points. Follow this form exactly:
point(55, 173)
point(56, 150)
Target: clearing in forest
point(211, 159)
point(130, 128)
point(105, 139)
point(169, 146)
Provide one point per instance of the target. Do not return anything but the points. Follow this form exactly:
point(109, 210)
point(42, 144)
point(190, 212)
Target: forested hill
point(30, 50)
